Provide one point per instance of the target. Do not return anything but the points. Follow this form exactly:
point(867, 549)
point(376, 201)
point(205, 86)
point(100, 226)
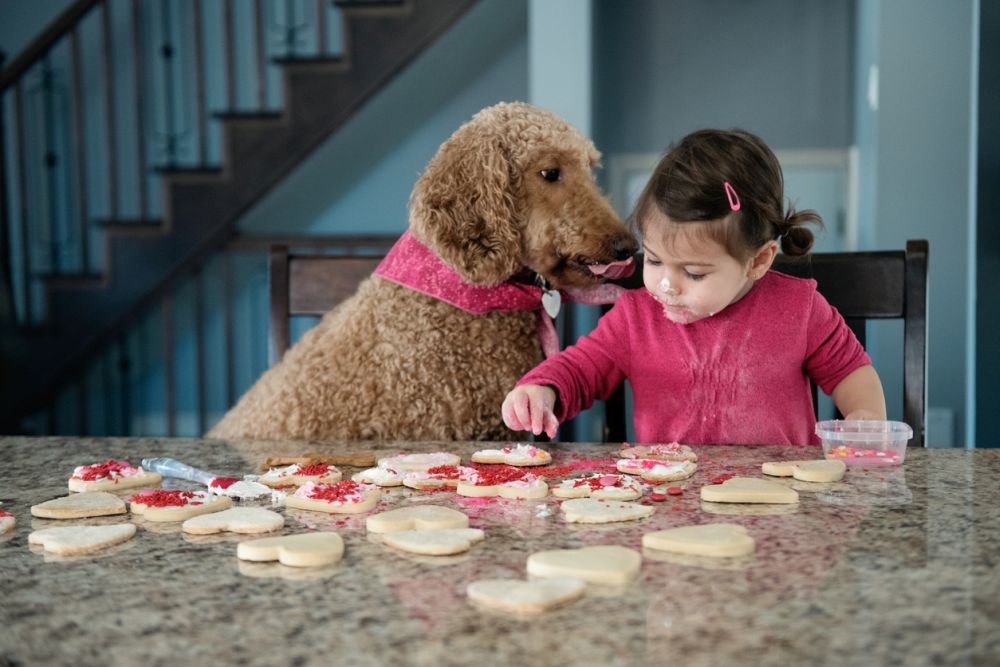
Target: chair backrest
point(862, 286)
point(310, 284)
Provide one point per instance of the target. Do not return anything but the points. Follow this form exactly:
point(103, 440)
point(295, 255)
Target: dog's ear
point(463, 208)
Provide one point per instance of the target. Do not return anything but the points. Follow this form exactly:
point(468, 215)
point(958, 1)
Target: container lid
point(840, 430)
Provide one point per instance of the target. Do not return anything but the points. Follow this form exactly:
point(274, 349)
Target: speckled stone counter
point(891, 566)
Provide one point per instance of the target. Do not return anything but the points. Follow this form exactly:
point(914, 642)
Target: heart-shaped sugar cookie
point(303, 550)
point(404, 463)
point(610, 564)
point(819, 470)
point(416, 517)
point(70, 540)
point(176, 505)
point(246, 520)
point(80, 505)
point(589, 510)
point(525, 596)
point(712, 539)
point(7, 522)
point(749, 490)
point(439, 542)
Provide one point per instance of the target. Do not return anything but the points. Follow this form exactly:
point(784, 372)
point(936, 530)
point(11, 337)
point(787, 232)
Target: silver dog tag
point(551, 302)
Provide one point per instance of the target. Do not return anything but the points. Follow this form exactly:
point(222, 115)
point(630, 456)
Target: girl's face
point(694, 277)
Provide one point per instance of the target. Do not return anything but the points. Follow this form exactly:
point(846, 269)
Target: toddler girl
point(718, 348)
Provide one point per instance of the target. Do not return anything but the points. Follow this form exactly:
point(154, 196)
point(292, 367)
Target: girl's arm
point(859, 395)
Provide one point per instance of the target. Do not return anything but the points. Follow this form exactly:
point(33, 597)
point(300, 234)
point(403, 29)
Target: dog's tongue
point(614, 270)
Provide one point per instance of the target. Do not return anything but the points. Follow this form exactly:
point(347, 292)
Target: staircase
point(200, 206)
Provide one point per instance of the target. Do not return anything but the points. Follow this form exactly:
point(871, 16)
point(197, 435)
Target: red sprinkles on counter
point(658, 497)
point(160, 498)
point(223, 482)
point(675, 490)
point(108, 469)
point(722, 478)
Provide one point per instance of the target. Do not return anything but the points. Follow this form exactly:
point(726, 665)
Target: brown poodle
point(508, 197)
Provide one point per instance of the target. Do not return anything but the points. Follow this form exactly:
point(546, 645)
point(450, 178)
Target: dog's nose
point(624, 246)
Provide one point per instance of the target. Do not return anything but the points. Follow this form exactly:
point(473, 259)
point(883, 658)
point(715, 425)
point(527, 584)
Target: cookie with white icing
point(379, 477)
point(347, 497)
point(601, 487)
point(435, 478)
point(518, 455)
point(7, 522)
point(297, 475)
point(657, 471)
point(673, 451)
point(405, 463)
point(159, 505)
point(111, 476)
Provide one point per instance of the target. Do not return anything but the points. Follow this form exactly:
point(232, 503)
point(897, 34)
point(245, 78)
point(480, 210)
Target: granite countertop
point(892, 566)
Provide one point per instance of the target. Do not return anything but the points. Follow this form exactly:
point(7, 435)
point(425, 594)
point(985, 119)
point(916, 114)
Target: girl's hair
point(689, 185)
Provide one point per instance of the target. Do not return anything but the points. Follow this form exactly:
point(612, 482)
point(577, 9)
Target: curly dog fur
point(392, 363)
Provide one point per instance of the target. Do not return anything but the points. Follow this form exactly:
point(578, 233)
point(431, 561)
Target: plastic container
point(865, 443)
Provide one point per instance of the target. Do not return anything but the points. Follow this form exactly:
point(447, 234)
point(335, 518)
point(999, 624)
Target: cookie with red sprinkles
point(297, 475)
point(609, 486)
point(437, 477)
point(160, 505)
point(347, 497)
point(111, 475)
point(7, 522)
point(672, 451)
point(503, 481)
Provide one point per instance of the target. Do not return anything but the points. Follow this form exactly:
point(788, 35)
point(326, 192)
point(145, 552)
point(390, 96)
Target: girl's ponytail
point(795, 238)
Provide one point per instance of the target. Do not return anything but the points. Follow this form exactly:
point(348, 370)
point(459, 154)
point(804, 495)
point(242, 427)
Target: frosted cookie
point(599, 565)
point(503, 481)
point(749, 490)
point(240, 489)
point(154, 505)
point(405, 463)
point(111, 475)
point(525, 596)
point(246, 520)
point(72, 540)
point(347, 497)
point(439, 542)
point(435, 478)
point(7, 522)
point(601, 487)
point(657, 471)
point(589, 510)
point(379, 477)
point(416, 517)
point(519, 455)
point(820, 470)
point(304, 550)
point(80, 505)
point(673, 451)
point(712, 539)
point(297, 475)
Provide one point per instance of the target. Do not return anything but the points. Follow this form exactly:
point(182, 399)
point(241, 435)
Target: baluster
point(22, 171)
point(230, 58)
point(81, 404)
point(140, 107)
point(201, 110)
point(170, 405)
point(8, 309)
point(124, 369)
point(320, 28)
point(199, 341)
point(107, 382)
point(258, 18)
point(227, 296)
point(79, 146)
point(50, 196)
point(167, 52)
point(109, 116)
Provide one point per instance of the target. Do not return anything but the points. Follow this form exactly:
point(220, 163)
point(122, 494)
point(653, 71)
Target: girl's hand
point(530, 408)
point(863, 415)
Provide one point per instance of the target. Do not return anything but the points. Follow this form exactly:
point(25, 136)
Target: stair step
point(73, 281)
point(310, 61)
point(131, 227)
point(248, 116)
point(364, 4)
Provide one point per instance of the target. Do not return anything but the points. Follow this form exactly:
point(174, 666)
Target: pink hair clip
point(734, 199)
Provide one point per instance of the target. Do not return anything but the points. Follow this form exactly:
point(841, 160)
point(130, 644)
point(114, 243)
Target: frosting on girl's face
point(691, 276)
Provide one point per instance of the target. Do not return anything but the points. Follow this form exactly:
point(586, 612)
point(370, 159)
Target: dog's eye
point(550, 175)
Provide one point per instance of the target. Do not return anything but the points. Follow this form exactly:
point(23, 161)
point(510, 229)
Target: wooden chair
point(312, 284)
point(862, 286)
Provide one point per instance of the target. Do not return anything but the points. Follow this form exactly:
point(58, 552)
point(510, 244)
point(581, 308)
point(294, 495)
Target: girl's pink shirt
point(739, 377)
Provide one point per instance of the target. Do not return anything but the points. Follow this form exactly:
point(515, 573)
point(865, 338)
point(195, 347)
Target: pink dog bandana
point(412, 264)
